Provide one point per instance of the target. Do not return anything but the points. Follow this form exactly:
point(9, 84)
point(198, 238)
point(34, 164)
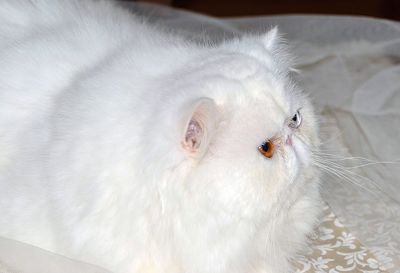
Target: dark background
point(389, 9)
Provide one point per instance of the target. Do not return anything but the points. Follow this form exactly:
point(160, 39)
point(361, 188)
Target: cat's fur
point(97, 161)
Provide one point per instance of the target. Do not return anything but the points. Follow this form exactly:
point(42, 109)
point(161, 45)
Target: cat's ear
point(199, 127)
point(271, 39)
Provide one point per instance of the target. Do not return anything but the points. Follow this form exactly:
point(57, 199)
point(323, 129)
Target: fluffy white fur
point(96, 160)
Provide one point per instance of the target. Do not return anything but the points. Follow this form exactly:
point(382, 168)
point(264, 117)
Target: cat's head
point(246, 129)
point(246, 134)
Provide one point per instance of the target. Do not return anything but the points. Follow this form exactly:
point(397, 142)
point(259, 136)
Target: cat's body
point(135, 150)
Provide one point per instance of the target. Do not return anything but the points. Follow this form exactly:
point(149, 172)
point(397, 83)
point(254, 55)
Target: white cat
point(139, 151)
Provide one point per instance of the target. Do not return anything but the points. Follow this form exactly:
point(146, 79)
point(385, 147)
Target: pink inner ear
point(193, 134)
point(199, 127)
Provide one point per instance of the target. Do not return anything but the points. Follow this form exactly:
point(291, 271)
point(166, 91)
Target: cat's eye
point(296, 120)
point(267, 148)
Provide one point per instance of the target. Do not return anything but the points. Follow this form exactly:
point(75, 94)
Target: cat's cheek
point(301, 151)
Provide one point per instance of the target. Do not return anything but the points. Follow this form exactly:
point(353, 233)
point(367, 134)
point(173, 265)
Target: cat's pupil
point(295, 118)
point(265, 146)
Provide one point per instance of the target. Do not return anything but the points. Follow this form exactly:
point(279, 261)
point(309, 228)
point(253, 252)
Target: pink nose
point(289, 140)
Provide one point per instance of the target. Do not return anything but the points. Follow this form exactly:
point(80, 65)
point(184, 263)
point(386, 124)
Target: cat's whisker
point(340, 168)
point(342, 158)
point(338, 173)
point(372, 163)
point(336, 170)
point(347, 175)
point(332, 166)
point(362, 160)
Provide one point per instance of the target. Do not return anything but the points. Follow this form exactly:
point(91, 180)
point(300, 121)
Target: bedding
point(350, 66)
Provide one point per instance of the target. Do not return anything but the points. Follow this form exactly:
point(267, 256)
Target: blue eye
point(295, 122)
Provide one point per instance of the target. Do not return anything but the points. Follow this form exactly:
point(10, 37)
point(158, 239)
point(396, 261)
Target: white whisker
point(334, 164)
point(345, 176)
point(372, 163)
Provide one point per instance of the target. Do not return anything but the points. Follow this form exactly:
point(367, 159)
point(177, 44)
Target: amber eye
point(267, 148)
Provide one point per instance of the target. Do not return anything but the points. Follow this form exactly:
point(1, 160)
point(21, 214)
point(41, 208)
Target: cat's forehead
point(268, 109)
point(241, 68)
point(259, 84)
point(242, 80)
point(234, 65)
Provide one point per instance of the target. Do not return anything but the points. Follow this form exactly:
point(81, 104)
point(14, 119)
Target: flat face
point(258, 103)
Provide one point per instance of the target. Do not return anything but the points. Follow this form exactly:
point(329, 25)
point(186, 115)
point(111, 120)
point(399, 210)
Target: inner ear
point(200, 125)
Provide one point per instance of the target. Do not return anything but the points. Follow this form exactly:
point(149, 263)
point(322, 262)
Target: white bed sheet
point(351, 68)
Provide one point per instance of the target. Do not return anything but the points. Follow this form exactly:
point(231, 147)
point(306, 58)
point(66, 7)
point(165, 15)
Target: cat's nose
point(288, 140)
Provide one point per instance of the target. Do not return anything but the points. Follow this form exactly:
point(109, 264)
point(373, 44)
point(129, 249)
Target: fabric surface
point(335, 249)
point(351, 68)
point(16, 257)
